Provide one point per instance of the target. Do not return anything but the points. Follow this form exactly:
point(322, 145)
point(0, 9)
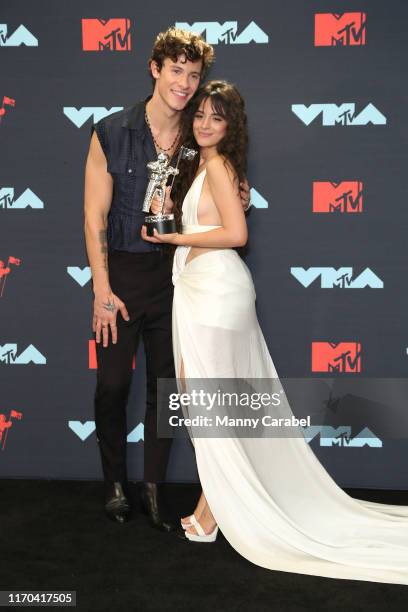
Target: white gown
point(271, 497)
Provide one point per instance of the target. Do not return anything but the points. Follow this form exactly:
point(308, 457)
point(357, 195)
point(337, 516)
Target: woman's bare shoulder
point(218, 167)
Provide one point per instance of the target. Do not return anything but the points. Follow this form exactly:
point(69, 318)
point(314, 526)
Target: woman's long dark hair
point(228, 103)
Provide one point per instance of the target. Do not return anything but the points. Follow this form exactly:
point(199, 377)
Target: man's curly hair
point(175, 42)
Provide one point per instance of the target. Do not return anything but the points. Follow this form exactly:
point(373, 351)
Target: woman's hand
point(160, 238)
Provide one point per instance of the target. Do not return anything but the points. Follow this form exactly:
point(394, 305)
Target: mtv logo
point(137, 434)
point(5, 270)
point(92, 359)
point(6, 102)
point(6, 423)
point(342, 197)
point(341, 436)
point(80, 275)
point(8, 355)
point(226, 33)
point(341, 278)
point(20, 37)
point(27, 199)
point(106, 35)
point(345, 114)
point(336, 357)
point(340, 29)
point(257, 200)
point(84, 430)
point(81, 115)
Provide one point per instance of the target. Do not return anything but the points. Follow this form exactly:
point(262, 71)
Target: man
point(132, 278)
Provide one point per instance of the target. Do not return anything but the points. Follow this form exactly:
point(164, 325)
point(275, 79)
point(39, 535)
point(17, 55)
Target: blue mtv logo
point(8, 355)
point(27, 199)
point(226, 33)
point(341, 277)
point(82, 430)
point(80, 275)
point(258, 201)
point(21, 36)
point(86, 429)
point(345, 114)
point(79, 116)
point(341, 436)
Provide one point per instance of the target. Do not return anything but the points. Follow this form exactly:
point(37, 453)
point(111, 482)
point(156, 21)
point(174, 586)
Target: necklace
point(155, 141)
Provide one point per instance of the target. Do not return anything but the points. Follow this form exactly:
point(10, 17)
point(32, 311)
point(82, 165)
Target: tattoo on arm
point(104, 247)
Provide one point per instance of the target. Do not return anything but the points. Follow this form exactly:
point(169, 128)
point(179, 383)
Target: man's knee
point(111, 388)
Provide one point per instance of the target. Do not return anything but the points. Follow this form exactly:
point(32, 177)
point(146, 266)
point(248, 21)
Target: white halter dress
point(271, 497)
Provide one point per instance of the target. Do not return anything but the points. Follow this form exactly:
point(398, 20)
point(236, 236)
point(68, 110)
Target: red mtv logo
point(345, 29)
point(336, 357)
point(6, 102)
point(5, 271)
point(106, 35)
point(344, 197)
point(93, 364)
point(6, 423)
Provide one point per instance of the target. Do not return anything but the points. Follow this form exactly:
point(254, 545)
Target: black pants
point(143, 282)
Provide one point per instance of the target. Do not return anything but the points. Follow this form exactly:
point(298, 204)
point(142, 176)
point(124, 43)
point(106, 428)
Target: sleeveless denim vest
point(128, 146)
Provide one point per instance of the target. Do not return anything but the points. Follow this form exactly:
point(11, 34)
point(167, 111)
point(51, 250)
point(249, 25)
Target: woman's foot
point(187, 520)
point(199, 533)
point(205, 525)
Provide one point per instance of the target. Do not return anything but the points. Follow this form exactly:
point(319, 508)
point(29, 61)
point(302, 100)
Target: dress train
point(271, 497)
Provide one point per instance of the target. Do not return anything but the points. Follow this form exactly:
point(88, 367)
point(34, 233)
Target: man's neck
point(161, 116)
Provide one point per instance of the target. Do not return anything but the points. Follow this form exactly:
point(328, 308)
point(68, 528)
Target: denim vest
point(128, 146)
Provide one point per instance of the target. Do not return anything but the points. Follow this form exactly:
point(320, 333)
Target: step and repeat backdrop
point(325, 89)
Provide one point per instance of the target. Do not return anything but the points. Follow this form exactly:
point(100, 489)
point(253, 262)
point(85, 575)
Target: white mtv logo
point(21, 36)
point(80, 275)
point(342, 278)
point(226, 33)
point(84, 430)
point(8, 354)
point(27, 199)
point(345, 114)
point(341, 436)
point(79, 116)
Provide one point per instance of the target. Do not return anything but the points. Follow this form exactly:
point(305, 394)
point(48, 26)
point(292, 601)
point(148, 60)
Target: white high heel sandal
point(189, 524)
point(201, 535)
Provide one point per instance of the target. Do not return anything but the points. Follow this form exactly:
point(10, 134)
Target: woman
point(271, 497)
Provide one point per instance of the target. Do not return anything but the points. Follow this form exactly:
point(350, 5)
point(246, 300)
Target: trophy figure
point(159, 172)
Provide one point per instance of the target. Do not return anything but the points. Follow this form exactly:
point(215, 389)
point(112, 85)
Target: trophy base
point(164, 224)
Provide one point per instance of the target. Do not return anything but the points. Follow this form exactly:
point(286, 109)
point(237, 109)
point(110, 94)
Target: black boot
point(153, 507)
point(117, 506)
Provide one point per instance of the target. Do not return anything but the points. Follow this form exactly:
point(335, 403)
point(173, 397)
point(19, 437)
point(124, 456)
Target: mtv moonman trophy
point(160, 170)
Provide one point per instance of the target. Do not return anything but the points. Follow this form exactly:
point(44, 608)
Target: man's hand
point(168, 203)
point(106, 308)
point(159, 238)
point(245, 194)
